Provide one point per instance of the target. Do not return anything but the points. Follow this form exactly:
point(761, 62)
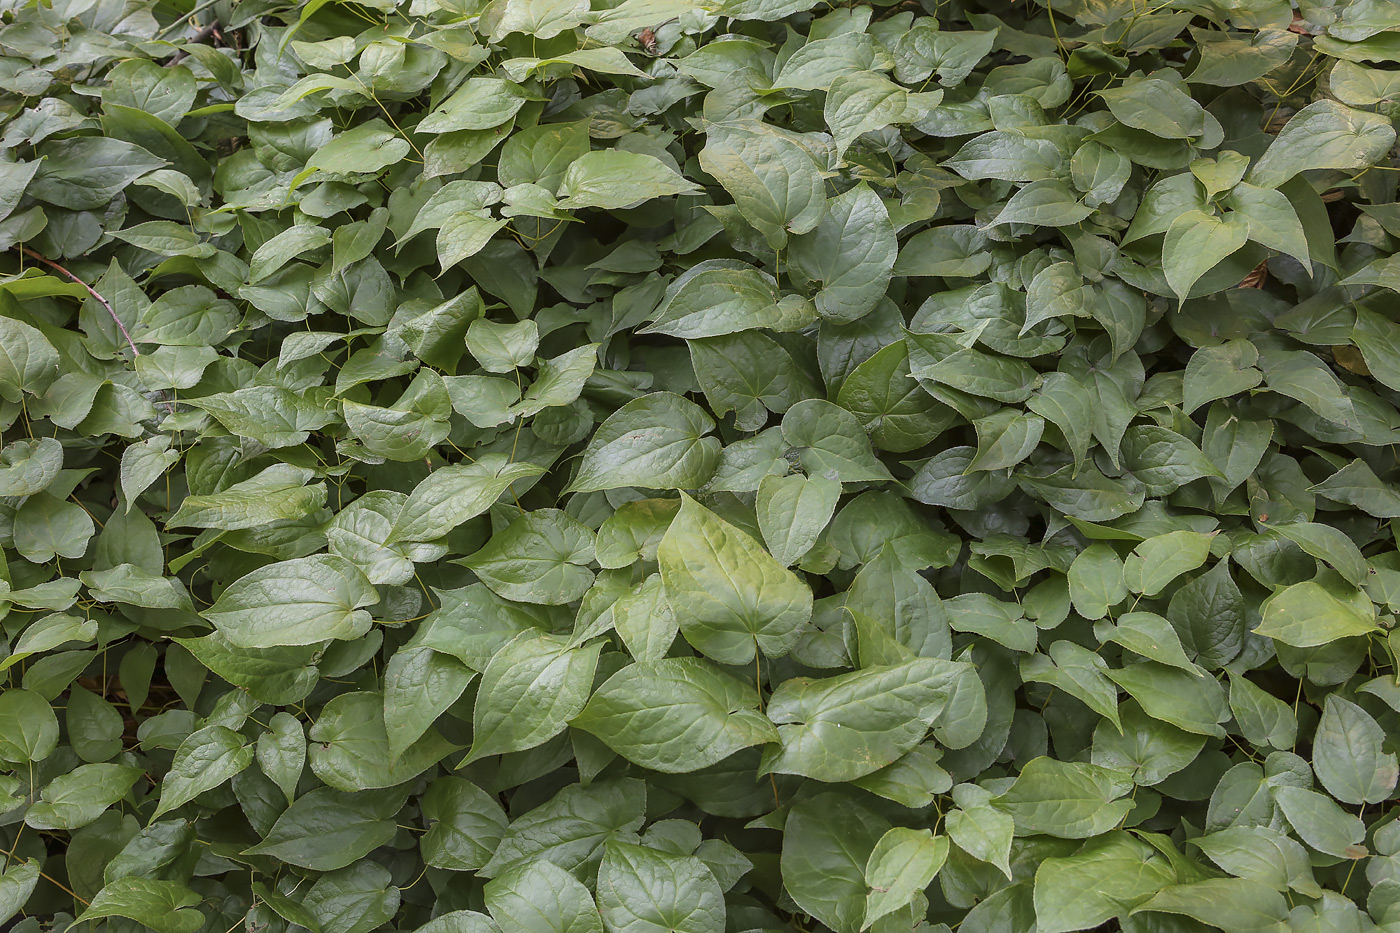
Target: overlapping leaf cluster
point(541, 466)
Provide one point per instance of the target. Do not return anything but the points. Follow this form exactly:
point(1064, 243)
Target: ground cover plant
point(699, 465)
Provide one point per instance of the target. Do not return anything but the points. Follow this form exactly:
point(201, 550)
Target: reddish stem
point(91, 291)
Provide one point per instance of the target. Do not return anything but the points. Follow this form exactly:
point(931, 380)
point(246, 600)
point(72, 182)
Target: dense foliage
point(699, 466)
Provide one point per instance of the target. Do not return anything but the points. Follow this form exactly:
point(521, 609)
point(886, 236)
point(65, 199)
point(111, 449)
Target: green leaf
point(533, 686)
point(287, 908)
point(83, 173)
point(750, 374)
point(16, 885)
point(278, 493)
point(1056, 291)
point(724, 296)
point(284, 247)
point(77, 798)
point(1109, 876)
point(281, 752)
point(981, 829)
point(1357, 484)
point(143, 464)
point(1020, 155)
point(270, 415)
point(271, 675)
point(458, 211)
point(1302, 376)
point(1220, 372)
point(540, 155)
point(1272, 220)
point(94, 726)
point(843, 727)
point(541, 896)
point(1195, 243)
point(792, 512)
point(203, 761)
point(543, 19)
point(325, 829)
point(503, 348)
point(1262, 718)
point(28, 726)
point(1184, 699)
point(641, 890)
point(950, 251)
point(772, 179)
point(1005, 438)
point(1321, 823)
point(863, 101)
point(1347, 755)
point(731, 597)
point(675, 715)
point(1000, 621)
point(355, 899)
point(1043, 204)
point(164, 906)
point(913, 781)
point(943, 361)
point(466, 825)
point(819, 62)
point(1261, 854)
point(1162, 558)
point(360, 532)
point(29, 466)
point(645, 620)
point(1306, 615)
point(1099, 172)
point(1149, 635)
point(571, 828)
point(831, 443)
point(851, 252)
point(1066, 403)
point(1157, 106)
point(295, 602)
point(46, 527)
point(656, 441)
point(1233, 903)
point(1149, 749)
point(1378, 339)
point(1222, 174)
point(1077, 671)
point(902, 865)
point(367, 148)
point(558, 382)
point(1096, 581)
point(1209, 616)
point(1324, 134)
point(541, 557)
point(1070, 800)
point(827, 842)
point(898, 414)
point(1229, 58)
point(349, 747)
point(28, 362)
point(1330, 544)
point(419, 686)
point(449, 496)
point(616, 179)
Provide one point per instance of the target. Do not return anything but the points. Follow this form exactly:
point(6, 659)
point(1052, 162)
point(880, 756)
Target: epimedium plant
point(541, 466)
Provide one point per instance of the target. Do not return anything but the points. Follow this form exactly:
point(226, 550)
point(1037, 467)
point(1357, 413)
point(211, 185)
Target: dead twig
point(211, 30)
